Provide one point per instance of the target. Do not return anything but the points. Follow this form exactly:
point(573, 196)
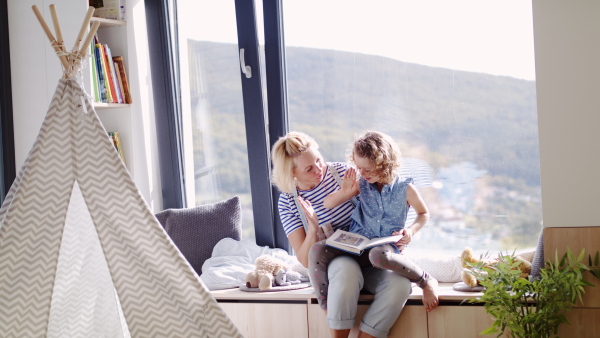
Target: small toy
point(263, 276)
point(468, 259)
point(289, 277)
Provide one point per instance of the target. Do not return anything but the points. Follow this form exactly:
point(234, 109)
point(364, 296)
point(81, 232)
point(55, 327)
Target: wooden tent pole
point(43, 23)
point(84, 26)
point(59, 36)
point(38, 14)
point(86, 44)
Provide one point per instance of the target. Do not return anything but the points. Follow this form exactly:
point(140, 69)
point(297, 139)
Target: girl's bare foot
point(430, 297)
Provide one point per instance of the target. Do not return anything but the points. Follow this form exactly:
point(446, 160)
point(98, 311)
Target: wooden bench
point(296, 313)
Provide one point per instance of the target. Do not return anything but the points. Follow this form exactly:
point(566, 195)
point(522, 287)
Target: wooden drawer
point(450, 321)
point(412, 322)
point(268, 319)
point(585, 323)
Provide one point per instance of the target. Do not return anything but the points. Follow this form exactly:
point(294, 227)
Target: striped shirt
point(338, 216)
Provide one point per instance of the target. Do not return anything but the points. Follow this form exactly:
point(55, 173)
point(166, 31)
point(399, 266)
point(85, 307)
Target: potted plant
point(531, 308)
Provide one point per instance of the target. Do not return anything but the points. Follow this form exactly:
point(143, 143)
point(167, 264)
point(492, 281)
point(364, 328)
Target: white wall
point(35, 71)
point(567, 56)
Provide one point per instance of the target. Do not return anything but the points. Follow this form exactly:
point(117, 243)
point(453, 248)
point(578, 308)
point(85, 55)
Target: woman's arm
point(414, 199)
point(301, 240)
point(348, 190)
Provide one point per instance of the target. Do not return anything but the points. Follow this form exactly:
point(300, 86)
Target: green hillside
point(477, 131)
point(408, 101)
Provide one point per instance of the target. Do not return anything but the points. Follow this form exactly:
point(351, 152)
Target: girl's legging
point(382, 257)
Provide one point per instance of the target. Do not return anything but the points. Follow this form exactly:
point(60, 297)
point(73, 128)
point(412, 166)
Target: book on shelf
point(94, 70)
point(119, 61)
point(116, 139)
point(104, 82)
point(109, 77)
point(120, 81)
point(355, 243)
point(110, 97)
point(99, 72)
point(114, 82)
point(108, 9)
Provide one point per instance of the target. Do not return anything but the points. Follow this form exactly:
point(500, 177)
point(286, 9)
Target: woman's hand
point(311, 215)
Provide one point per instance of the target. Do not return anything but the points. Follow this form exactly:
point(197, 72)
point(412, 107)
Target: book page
point(350, 239)
point(384, 240)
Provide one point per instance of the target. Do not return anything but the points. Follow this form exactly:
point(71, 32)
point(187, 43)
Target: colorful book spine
point(94, 74)
point(116, 139)
point(101, 85)
point(119, 60)
point(113, 76)
point(110, 90)
point(118, 72)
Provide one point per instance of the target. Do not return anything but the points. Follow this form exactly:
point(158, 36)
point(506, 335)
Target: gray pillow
point(195, 231)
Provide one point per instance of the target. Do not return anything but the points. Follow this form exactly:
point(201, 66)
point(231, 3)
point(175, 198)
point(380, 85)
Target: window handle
point(245, 69)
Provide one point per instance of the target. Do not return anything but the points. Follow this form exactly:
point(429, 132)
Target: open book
point(355, 243)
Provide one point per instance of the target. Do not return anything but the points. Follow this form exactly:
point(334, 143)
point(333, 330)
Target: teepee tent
point(81, 254)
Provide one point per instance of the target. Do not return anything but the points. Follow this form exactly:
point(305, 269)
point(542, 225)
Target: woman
point(304, 179)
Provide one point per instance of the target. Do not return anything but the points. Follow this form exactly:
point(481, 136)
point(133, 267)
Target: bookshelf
point(36, 70)
point(109, 22)
point(116, 116)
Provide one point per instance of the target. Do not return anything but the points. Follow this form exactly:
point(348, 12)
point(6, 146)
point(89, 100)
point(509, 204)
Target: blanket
point(232, 260)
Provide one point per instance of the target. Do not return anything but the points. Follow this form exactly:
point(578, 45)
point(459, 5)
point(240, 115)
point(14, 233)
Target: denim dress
point(379, 214)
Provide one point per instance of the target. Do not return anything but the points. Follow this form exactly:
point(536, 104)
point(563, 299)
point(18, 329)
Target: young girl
point(381, 211)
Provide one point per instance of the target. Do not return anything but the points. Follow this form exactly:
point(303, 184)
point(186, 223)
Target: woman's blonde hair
point(381, 150)
point(284, 151)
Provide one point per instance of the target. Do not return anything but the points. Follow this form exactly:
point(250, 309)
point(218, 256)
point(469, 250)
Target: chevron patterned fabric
point(81, 254)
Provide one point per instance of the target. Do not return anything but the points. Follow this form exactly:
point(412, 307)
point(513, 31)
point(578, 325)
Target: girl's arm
point(414, 199)
point(301, 240)
point(348, 190)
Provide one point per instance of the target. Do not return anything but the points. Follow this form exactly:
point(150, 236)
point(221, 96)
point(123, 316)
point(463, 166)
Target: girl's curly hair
point(381, 150)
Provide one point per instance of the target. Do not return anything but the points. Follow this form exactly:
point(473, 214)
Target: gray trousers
point(382, 257)
point(347, 279)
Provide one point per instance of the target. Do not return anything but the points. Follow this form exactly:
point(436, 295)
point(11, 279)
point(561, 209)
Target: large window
point(452, 81)
point(216, 152)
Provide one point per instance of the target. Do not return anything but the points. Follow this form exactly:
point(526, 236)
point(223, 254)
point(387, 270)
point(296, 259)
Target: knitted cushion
point(538, 259)
point(444, 268)
point(461, 286)
point(195, 231)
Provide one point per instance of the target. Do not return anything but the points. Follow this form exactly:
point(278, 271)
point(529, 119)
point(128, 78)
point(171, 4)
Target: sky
point(484, 36)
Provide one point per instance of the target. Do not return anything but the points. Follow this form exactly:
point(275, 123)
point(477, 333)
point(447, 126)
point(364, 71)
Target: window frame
point(161, 18)
point(7, 150)
point(167, 103)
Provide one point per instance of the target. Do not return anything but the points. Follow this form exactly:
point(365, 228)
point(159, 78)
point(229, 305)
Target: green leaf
point(581, 254)
point(489, 330)
point(509, 298)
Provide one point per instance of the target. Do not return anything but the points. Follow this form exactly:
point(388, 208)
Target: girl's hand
point(311, 215)
point(407, 235)
point(350, 183)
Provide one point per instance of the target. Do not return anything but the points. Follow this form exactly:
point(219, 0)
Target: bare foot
point(430, 297)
